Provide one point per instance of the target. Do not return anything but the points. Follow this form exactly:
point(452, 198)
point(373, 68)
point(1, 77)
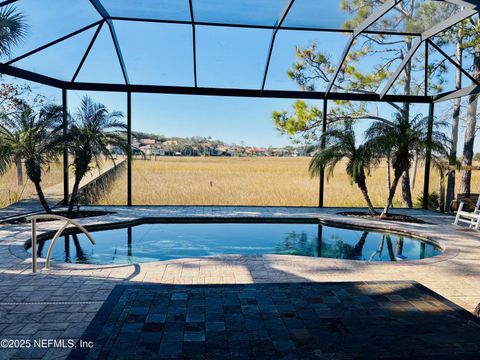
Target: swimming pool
point(166, 241)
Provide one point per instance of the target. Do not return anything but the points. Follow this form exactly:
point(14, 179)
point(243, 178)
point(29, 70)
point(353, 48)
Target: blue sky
point(162, 54)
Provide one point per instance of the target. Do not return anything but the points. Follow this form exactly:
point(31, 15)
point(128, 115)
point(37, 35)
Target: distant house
point(197, 146)
point(280, 152)
point(152, 150)
point(146, 149)
point(256, 151)
point(135, 142)
point(223, 150)
point(261, 151)
point(115, 150)
point(160, 151)
point(170, 143)
point(148, 141)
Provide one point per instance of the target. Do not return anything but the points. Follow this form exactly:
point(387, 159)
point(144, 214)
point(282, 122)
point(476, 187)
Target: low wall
point(91, 192)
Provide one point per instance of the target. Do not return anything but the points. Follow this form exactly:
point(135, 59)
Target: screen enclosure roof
point(227, 48)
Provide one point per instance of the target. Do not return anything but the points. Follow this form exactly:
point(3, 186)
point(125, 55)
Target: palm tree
point(92, 133)
point(12, 32)
point(35, 137)
point(13, 29)
point(402, 138)
point(340, 144)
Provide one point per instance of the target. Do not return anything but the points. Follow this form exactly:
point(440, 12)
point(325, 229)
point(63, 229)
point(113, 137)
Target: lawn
point(249, 181)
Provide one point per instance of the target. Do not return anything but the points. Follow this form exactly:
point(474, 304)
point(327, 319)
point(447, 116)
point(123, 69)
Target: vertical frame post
point(427, 72)
point(66, 190)
point(322, 147)
point(428, 156)
point(129, 154)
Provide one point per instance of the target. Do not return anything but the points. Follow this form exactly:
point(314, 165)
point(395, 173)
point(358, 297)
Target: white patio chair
point(472, 218)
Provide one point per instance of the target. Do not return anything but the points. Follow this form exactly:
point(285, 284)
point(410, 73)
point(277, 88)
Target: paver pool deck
point(61, 303)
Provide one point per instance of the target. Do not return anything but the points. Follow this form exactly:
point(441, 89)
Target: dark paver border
point(95, 327)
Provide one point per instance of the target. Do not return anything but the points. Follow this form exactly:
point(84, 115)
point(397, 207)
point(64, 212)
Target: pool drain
point(289, 315)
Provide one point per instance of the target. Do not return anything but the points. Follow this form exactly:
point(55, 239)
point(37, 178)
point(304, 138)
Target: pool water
point(165, 241)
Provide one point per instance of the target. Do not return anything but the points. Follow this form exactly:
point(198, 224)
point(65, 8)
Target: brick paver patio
point(61, 303)
point(280, 321)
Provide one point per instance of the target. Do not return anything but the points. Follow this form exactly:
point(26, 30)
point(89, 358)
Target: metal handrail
point(68, 221)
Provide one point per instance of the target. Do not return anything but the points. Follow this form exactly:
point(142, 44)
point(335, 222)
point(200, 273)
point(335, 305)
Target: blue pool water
point(161, 241)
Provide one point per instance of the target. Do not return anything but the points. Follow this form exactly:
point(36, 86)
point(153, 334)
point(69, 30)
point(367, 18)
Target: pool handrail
point(68, 221)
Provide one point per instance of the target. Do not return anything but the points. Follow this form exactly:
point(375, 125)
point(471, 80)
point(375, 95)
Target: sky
point(162, 54)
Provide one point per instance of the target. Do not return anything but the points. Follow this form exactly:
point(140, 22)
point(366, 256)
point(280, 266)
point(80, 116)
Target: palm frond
point(13, 29)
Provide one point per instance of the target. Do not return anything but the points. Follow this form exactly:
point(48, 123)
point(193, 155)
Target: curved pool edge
point(116, 220)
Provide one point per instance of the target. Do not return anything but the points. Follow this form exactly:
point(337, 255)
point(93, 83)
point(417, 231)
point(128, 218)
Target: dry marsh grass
point(249, 181)
point(10, 192)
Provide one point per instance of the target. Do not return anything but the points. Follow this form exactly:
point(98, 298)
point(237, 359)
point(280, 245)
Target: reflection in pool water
point(152, 242)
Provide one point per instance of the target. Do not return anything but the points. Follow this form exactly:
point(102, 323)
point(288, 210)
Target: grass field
point(249, 181)
point(228, 181)
point(10, 192)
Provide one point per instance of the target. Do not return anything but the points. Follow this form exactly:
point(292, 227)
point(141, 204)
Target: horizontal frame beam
point(31, 76)
point(158, 89)
point(265, 27)
point(185, 90)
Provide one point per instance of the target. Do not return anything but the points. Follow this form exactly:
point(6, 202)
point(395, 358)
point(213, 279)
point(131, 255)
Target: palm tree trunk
point(399, 247)
point(389, 177)
point(80, 254)
point(455, 123)
point(441, 193)
point(406, 193)
point(74, 196)
point(452, 159)
point(363, 188)
point(414, 171)
point(465, 185)
point(391, 194)
point(391, 254)
point(41, 197)
point(19, 166)
point(357, 250)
